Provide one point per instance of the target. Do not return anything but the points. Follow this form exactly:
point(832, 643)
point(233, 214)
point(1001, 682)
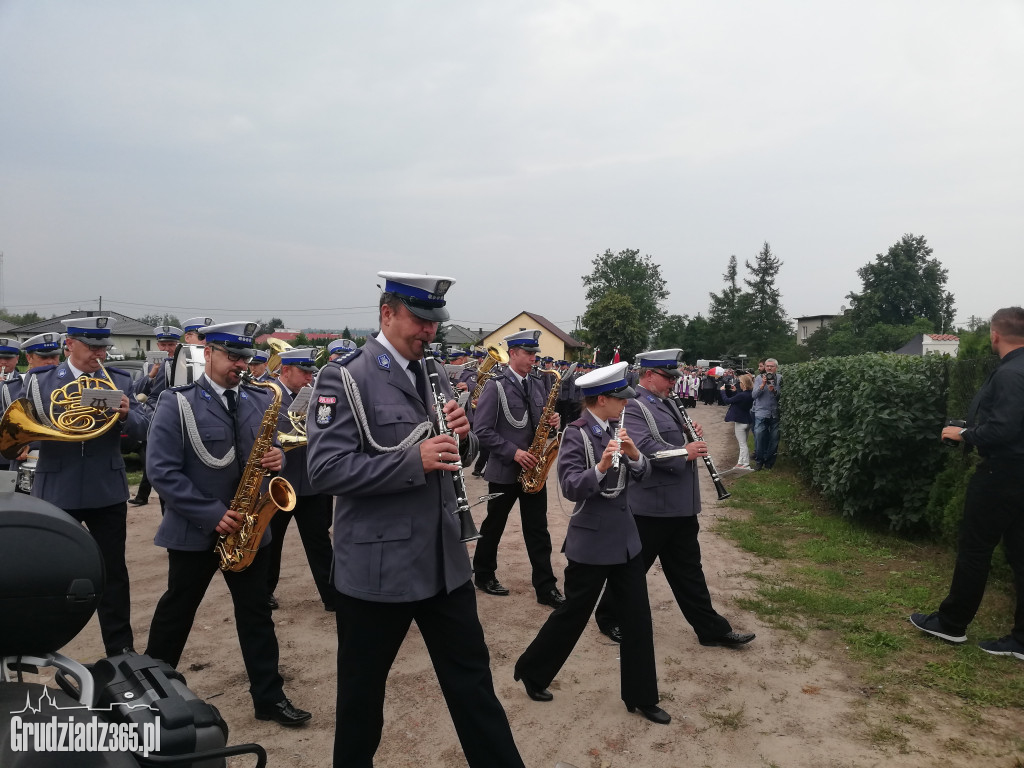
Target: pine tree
point(765, 318)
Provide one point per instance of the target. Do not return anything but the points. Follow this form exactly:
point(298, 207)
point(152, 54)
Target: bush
point(865, 429)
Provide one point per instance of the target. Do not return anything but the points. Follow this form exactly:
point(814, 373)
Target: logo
point(324, 413)
point(62, 373)
point(384, 362)
point(101, 322)
point(597, 429)
point(250, 329)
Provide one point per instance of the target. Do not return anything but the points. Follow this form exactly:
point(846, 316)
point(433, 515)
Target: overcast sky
point(254, 159)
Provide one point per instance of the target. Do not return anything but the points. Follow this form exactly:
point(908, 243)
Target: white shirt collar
point(73, 369)
point(220, 390)
point(394, 352)
point(601, 422)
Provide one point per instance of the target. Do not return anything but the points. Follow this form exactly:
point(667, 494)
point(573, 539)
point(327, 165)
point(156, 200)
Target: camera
point(769, 378)
point(953, 423)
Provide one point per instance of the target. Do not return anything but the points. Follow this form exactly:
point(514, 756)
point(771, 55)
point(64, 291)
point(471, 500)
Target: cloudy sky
point(250, 159)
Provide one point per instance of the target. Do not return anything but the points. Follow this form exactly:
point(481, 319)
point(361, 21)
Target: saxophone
point(238, 549)
point(483, 372)
point(541, 448)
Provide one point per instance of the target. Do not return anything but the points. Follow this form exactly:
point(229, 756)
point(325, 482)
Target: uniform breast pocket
point(216, 437)
point(392, 422)
point(589, 521)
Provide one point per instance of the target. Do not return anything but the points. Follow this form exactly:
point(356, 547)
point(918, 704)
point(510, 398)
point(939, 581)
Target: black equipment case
point(139, 689)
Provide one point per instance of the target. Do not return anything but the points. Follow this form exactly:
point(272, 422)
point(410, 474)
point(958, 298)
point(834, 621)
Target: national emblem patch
point(326, 407)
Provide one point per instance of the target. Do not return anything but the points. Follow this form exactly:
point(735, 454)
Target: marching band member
point(666, 503)
point(42, 350)
point(151, 385)
point(87, 479)
point(200, 440)
point(10, 388)
point(258, 365)
point(506, 418)
point(341, 348)
point(602, 547)
point(312, 510)
point(397, 551)
point(191, 329)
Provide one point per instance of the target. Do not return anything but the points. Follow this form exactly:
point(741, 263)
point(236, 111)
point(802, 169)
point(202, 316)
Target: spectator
point(739, 413)
point(995, 495)
point(766, 415)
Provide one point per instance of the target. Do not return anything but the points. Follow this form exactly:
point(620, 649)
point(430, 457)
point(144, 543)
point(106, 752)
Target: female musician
point(602, 546)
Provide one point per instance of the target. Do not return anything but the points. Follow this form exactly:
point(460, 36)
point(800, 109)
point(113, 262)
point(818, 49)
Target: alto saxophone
point(238, 549)
point(542, 449)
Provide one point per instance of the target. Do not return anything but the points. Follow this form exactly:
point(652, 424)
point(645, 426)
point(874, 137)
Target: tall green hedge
point(866, 429)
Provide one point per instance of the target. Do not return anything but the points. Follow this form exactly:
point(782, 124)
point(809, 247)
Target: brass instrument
point(483, 373)
point(71, 421)
point(238, 549)
point(297, 437)
point(542, 449)
point(278, 346)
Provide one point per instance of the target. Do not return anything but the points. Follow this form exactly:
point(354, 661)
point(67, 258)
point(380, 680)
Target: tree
point(671, 333)
point(901, 286)
point(727, 315)
point(633, 277)
point(155, 319)
point(697, 343)
point(613, 321)
point(25, 319)
point(269, 326)
point(762, 305)
point(346, 334)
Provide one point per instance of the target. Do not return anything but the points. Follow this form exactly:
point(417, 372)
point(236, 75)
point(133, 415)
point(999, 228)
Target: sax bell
point(234, 553)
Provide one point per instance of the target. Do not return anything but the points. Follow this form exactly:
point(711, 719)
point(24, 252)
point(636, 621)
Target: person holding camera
point(766, 415)
point(994, 504)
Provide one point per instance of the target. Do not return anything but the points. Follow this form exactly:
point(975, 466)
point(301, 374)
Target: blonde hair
point(746, 381)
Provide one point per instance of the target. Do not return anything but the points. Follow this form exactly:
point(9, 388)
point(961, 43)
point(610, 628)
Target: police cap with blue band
point(259, 356)
point(195, 323)
point(168, 333)
point(236, 338)
point(44, 345)
point(609, 380)
point(423, 295)
point(303, 358)
point(341, 347)
point(661, 360)
point(523, 340)
point(9, 348)
point(94, 331)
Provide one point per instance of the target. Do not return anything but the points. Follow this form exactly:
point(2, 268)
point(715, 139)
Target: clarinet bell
point(468, 531)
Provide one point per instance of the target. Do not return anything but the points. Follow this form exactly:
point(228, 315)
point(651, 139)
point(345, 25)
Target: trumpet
point(69, 420)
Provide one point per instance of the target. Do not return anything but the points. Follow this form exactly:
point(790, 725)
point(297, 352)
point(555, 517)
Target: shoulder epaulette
point(350, 356)
point(580, 422)
point(181, 387)
point(121, 371)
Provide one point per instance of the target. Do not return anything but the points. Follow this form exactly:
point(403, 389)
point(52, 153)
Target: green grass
point(862, 582)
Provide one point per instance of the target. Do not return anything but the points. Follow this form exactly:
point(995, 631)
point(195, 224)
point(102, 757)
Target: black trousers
point(313, 515)
point(533, 510)
point(109, 528)
point(145, 487)
point(188, 576)
point(674, 540)
point(549, 651)
point(369, 636)
point(993, 512)
point(481, 460)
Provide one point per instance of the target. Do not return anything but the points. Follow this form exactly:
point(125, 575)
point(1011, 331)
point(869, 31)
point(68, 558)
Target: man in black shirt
point(994, 505)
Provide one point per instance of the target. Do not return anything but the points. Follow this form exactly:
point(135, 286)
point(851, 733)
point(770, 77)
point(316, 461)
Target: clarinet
point(467, 529)
point(692, 436)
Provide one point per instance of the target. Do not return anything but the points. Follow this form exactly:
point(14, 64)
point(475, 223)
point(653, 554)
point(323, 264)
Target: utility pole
point(3, 304)
point(101, 303)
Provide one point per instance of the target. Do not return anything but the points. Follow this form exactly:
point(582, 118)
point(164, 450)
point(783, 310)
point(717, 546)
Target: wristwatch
point(961, 433)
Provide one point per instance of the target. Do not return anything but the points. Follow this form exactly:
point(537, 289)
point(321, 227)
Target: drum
point(27, 473)
point(188, 364)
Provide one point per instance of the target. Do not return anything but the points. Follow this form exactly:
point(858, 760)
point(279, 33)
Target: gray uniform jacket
point(153, 387)
point(196, 495)
point(602, 530)
point(496, 434)
point(672, 489)
point(11, 390)
point(295, 470)
point(89, 474)
point(396, 534)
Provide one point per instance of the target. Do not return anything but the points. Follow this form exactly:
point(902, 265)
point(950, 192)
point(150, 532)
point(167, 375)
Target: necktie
point(421, 381)
point(233, 412)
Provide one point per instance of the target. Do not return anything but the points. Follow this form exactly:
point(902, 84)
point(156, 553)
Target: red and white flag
point(615, 357)
point(596, 350)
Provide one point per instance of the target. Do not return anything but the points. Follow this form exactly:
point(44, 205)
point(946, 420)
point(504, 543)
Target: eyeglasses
point(234, 357)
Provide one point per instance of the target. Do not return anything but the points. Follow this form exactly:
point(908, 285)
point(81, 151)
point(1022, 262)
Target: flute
point(692, 436)
point(467, 528)
point(617, 456)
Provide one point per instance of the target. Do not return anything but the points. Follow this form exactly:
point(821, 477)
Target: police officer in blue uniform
point(192, 327)
point(506, 418)
point(666, 503)
point(397, 553)
point(258, 365)
point(10, 379)
point(313, 511)
point(597, 464)
point(196, 469)
point(151, 385)
point(41, 352)
point(341, 348)
point(87, 479)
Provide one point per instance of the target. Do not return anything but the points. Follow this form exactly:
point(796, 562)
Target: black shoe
point(930, 623)
point(285, 713)
point(330, 608)
point(492, 587)
point(615, 633)
point(730, 640)
point(652, 712)
point(121, 651)
point(552, 597)
point(272, 602)
point(535, 693)
point(477, 473)
point(137, 502)
point(758, 466)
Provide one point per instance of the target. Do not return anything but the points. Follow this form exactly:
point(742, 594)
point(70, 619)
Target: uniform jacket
point(153, 387)
point(602, 530)
point(396, 534)
point(295, 470)
point(672, 488)
point(196, 496)
point(11, 390)
point(88, 474)
point(493, 429)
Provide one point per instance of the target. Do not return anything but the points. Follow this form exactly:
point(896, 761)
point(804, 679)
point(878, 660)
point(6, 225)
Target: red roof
point(943, 337)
